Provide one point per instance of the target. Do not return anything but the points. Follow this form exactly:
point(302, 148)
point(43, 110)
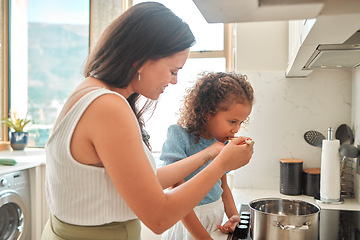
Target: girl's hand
point(213, 150)
point(230, 225)
point(236, 153)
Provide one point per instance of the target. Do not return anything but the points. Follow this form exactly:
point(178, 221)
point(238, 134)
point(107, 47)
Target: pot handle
point(290, 227)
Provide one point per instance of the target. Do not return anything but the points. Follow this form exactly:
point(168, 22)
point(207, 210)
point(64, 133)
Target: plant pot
point(18, 140)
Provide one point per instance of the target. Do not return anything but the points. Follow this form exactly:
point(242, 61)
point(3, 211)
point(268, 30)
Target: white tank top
point(77, 193)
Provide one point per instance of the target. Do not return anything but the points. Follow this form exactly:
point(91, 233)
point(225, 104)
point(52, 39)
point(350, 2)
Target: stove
point(333, 225)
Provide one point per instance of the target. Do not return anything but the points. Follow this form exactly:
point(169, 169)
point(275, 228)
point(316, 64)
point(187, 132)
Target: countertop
point(244, 196)
point(27, 158)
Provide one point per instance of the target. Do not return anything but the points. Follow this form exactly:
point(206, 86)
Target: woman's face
point(155, 75)
point(225, 124)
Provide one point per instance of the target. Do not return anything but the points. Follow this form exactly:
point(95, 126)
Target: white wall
point(261, 46)
point(284, 108)
point(355, 123)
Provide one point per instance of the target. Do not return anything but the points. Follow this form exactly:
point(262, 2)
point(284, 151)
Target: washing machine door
point(14, 222)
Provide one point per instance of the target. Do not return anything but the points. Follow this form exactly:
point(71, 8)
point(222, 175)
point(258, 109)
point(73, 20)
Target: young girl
point(213, 111)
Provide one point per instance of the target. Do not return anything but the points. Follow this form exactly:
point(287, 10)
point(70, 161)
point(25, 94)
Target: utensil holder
point(347, 177)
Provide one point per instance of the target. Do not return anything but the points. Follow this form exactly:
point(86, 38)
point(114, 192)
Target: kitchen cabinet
point(298, 31)
point(39, 207)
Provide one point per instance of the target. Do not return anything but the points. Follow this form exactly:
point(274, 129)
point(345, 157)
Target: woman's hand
point(236, 153)
point(230, 225)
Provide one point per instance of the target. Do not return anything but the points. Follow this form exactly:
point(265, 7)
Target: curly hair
point(213, 92)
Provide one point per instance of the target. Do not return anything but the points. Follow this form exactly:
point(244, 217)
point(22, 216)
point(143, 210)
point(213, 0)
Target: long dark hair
point(146, 31)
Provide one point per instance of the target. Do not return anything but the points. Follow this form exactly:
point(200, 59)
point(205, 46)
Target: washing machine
point(15, 206)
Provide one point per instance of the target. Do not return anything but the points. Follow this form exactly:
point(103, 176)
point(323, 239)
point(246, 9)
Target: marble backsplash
point(284, 109)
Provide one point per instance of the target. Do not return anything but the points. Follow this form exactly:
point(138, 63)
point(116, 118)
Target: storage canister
point(311, 182)
point(291, 171)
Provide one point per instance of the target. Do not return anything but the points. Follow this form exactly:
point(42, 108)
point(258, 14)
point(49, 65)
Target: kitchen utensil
point(349, 151)
point(277, 218)
point(314, 138)
point(344, 134)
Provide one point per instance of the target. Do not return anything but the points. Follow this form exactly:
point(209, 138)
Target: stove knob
point(241, 231)
point(3, 182)
point(244, 222)
point(245, 213)
point(247, 218)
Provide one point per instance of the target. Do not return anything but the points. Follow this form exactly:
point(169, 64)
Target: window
point(49, 44)
point(208, 54)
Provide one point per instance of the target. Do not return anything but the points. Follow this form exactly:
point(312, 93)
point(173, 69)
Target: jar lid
point(312, 170)
point(291, 160)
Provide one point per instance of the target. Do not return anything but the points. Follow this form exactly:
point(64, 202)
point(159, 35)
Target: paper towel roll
point(330, 185)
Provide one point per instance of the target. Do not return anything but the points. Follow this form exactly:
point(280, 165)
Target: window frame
point(5, 69)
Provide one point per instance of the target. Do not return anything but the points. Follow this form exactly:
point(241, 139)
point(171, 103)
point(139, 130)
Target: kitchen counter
point(27, 158)
point(244, 196)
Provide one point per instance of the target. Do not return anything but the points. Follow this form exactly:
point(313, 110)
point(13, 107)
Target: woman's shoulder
point(110, 97)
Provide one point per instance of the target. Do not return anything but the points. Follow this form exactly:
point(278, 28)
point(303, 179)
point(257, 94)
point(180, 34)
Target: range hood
point(336, 56)
point(331, 41)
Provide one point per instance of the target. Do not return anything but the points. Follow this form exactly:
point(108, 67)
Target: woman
point(100, 173)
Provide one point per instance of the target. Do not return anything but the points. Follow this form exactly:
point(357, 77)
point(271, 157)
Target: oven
point(333, 225)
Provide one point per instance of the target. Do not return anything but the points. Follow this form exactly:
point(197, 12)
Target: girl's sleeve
point(174, 147)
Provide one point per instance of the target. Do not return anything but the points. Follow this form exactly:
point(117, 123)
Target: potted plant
point(19, 137)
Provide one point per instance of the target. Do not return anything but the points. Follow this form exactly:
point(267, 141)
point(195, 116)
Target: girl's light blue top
point(180, 144)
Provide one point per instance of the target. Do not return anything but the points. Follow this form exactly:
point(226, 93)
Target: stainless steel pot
point(276, 218)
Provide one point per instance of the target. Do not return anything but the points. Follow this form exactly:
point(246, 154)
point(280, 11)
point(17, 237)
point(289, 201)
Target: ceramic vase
point(18, 140)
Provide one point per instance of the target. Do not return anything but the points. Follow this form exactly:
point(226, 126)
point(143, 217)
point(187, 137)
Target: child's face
point(225, 124)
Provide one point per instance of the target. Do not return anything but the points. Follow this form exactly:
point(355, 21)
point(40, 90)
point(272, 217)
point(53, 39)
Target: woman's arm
point(230, 208)
point(170, 174)
point(194, 227)
point(116, 138)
